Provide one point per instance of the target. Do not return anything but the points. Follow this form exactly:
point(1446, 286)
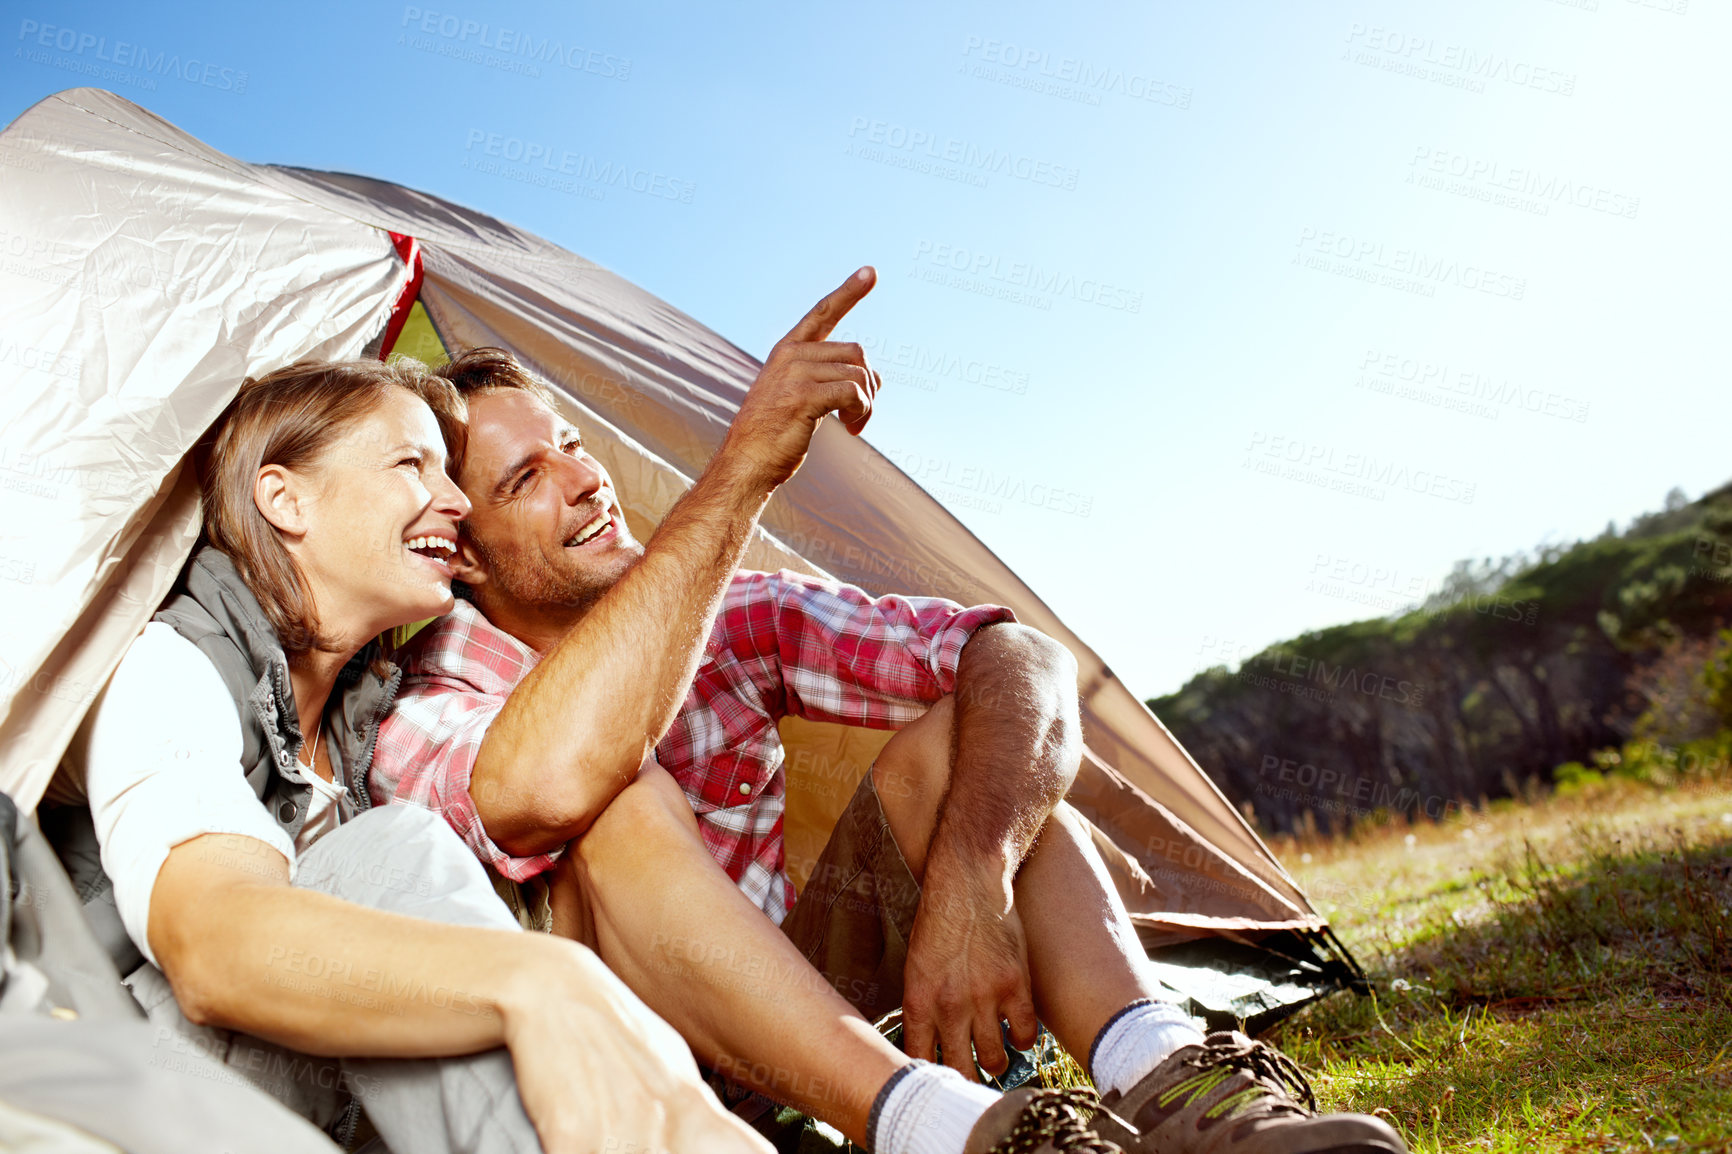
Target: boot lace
point(1273, 1073)
point(1058, 1117)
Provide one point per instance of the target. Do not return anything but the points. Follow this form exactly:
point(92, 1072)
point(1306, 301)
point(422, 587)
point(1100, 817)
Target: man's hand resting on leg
point(1016, 750)
point(967, 969)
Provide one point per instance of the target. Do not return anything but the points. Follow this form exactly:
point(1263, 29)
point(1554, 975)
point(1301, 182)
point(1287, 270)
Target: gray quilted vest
point(219, 614)
point(216, 611)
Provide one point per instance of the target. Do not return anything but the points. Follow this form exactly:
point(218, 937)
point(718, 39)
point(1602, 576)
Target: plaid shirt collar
point(466, 648)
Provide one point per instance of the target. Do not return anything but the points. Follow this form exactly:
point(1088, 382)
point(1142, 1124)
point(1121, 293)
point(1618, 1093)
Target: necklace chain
point(313, 760)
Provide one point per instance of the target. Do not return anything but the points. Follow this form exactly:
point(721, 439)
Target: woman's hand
point(597, 1070)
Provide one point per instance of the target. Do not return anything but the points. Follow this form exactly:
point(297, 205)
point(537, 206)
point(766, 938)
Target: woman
point(227, 767)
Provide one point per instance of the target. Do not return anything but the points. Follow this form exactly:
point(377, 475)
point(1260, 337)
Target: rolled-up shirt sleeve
point(163, 763)
point(427, 751)
point(849, 657)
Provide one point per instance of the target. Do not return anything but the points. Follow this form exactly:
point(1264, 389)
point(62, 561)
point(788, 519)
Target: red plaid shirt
point(782, 644)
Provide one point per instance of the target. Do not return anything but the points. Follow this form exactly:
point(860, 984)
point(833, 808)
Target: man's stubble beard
point(526, 578)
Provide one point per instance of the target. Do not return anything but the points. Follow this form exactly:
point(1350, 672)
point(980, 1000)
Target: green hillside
point(1514, 669)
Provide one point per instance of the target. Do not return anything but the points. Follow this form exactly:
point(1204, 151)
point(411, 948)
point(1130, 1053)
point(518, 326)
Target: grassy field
point(1549, 976)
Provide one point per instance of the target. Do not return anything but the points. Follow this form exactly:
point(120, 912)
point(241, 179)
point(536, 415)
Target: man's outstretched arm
point(1018, 743)
point(575, 731)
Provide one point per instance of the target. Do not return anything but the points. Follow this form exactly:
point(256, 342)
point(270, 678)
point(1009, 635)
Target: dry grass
point(1553, 976)
point(1550, 976)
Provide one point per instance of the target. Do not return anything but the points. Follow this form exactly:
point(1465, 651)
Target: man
point(957, 885)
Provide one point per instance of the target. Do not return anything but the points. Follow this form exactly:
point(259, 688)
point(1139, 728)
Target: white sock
point(926, 1109)
point(1139, 1038)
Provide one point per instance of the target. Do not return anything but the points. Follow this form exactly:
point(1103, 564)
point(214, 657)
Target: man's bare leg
point(642, 888)
point(1085, 963)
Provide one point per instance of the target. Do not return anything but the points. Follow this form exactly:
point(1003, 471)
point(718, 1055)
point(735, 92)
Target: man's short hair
point(482, 370)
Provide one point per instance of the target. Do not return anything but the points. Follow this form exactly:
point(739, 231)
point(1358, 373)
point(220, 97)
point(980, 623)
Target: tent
point(145, 274)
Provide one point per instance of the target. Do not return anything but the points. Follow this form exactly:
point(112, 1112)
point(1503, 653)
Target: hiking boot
point(1231, 1093)
point(1031, 1121)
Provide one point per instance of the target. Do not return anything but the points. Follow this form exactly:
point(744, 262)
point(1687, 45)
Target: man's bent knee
point(915, 763)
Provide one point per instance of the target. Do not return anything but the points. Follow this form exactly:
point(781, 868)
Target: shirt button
point(286, 811)
point(745, 788)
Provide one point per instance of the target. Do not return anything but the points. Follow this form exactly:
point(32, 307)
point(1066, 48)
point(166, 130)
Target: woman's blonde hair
point(289, 418)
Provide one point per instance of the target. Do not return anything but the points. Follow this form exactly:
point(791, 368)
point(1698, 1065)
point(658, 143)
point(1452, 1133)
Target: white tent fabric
point(145, 275)
point(182, 270)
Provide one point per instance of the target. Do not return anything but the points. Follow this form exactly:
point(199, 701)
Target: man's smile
point(601, 525)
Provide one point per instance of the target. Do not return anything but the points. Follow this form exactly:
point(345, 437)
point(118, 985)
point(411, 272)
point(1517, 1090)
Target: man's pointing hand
point(806, 377)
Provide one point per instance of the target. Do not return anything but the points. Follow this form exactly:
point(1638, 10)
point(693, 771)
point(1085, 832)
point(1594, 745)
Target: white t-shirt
point(327, 807)
point(163, 766)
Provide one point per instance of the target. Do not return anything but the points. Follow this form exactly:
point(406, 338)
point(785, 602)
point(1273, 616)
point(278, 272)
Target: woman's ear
point(466, 564)
point(278, 494)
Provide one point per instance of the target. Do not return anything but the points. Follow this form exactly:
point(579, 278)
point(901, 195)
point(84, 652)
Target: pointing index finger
point(827, 313)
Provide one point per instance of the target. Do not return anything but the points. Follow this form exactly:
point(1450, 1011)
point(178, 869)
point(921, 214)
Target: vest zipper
point(363, 795)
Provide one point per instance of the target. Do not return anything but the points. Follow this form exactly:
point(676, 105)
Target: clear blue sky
point(1186, 309)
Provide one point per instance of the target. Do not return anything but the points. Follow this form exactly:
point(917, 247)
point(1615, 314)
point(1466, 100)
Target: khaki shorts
point(854, 916)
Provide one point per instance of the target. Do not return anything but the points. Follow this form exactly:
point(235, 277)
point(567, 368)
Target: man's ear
point(280, 497)
point(466, 564)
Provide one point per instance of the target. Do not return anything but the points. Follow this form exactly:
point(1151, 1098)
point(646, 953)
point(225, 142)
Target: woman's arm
point(201, 876)
point(246, 951)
